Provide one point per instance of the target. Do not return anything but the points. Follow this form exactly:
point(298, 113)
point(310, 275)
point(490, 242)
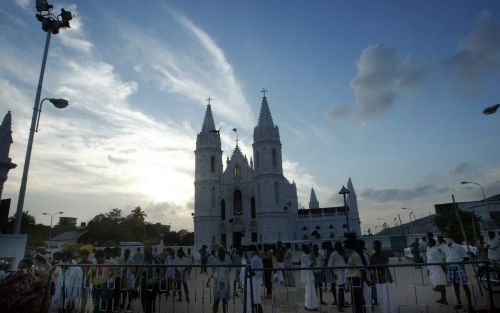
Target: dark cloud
point(387, 195)
point(479, 52)
point(116, 161)
point(461, 168)
point(382, 75)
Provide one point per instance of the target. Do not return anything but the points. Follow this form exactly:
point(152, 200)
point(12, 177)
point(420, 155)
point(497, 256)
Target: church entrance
point(237, 238)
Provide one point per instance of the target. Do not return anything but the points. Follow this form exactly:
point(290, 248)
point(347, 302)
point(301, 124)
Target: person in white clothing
point(254, 280)
point(493, 247)
point(338, 258)
point(436, 272)
point(220, 277)
point(307, 278)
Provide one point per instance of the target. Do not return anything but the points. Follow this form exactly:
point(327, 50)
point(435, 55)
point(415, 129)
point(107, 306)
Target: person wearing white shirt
point(220, 275)
point(254, 280)
point(338, 258)
point(183, 262)
point(456, 272)
point(493, 247)
point(307, 278)
point(436, 272)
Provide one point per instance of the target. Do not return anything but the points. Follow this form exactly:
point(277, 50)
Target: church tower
point(208, 172)
point(5, 141)
point(352, 202)
point(313, 201)
point(270, 185)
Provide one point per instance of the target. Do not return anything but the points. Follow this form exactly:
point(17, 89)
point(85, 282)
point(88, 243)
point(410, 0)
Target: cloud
point(479, 52)
point(23, 3)
point(461, 168)
point(388, 195)
point(74, 37)
point(75, 145)
point(199, 71)
point(382, 76)
point(116, 161)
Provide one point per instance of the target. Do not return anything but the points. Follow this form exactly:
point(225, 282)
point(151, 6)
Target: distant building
point(67, 221)
point(251, 200)
point(56, 242)
point(418, 226)
point(488, 210)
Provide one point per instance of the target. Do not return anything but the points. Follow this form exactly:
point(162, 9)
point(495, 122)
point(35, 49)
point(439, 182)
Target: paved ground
point(413, 293)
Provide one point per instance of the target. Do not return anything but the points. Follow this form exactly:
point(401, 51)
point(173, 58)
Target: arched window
point(276, 193)
point(212, 164)
point(257, 159)
point(237, 202)
point(252, 207)
point(222, 209)
point(236, 172)
point(259, 195)
point(213, 197)
point(274, 157)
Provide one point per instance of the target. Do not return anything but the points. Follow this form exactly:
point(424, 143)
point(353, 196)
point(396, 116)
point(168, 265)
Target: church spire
point(350, 187)
point(265, 118)
point(208, 122)
point(313, 202)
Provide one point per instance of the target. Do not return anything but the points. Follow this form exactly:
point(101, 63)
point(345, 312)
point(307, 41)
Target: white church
point(253, 202)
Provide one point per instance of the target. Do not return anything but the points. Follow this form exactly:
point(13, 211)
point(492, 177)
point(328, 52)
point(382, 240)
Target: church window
point(254, 237)
point(274, 157)
point(236, 172)
point(212, 164)
point(259, 195)
point(213, 197)
point(222, 209)
point(257, 159)
point(252, 207)
point(276, 193)
point(237, 202)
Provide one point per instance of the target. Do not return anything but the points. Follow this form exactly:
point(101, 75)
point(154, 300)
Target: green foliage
point(447, 221)
point(38, 234)
point(71, 247)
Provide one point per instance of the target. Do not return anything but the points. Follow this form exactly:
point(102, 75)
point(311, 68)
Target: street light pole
point(51, 219)
point(34, 118)
point(50, 24)
point(480, 186)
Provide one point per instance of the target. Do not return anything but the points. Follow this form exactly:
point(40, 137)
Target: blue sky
point(388, 93)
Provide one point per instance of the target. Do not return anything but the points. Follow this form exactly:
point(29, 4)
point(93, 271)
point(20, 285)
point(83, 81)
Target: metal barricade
point(152, 288)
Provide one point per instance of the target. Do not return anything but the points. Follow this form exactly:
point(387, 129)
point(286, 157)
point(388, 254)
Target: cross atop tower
point(264, 91)
point(208, 100)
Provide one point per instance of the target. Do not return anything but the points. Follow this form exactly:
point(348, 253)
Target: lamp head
point(59, 103)
point(491, 109)
point(60, 212)
point(464, 182)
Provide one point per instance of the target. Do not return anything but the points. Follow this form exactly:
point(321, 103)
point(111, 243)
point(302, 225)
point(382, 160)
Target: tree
point(38, 234)
point(447, 222)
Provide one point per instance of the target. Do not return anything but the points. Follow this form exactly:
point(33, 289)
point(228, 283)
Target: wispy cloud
point(152, 160)
point(195, 74)
point(401, 194)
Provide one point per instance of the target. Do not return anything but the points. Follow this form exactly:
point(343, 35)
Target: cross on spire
point(208, 100)
point(264, 91)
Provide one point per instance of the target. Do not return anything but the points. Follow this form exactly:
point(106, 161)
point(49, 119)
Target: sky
point(388, 93)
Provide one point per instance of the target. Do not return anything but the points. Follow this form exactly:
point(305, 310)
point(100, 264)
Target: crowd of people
point(111, 280)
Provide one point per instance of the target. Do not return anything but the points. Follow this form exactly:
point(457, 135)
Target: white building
point(253, 201)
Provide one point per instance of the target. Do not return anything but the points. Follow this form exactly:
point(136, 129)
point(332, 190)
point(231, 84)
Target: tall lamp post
point(51, 219)
point(51, 25)
point(344, 191)
point(480, 186)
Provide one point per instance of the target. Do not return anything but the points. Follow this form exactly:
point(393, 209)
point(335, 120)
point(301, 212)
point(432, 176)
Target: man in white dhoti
point(307, 278)
point(436, 272)
point(254, 280)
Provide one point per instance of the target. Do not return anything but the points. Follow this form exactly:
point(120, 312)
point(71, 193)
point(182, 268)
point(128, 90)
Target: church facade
point(251, 201)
